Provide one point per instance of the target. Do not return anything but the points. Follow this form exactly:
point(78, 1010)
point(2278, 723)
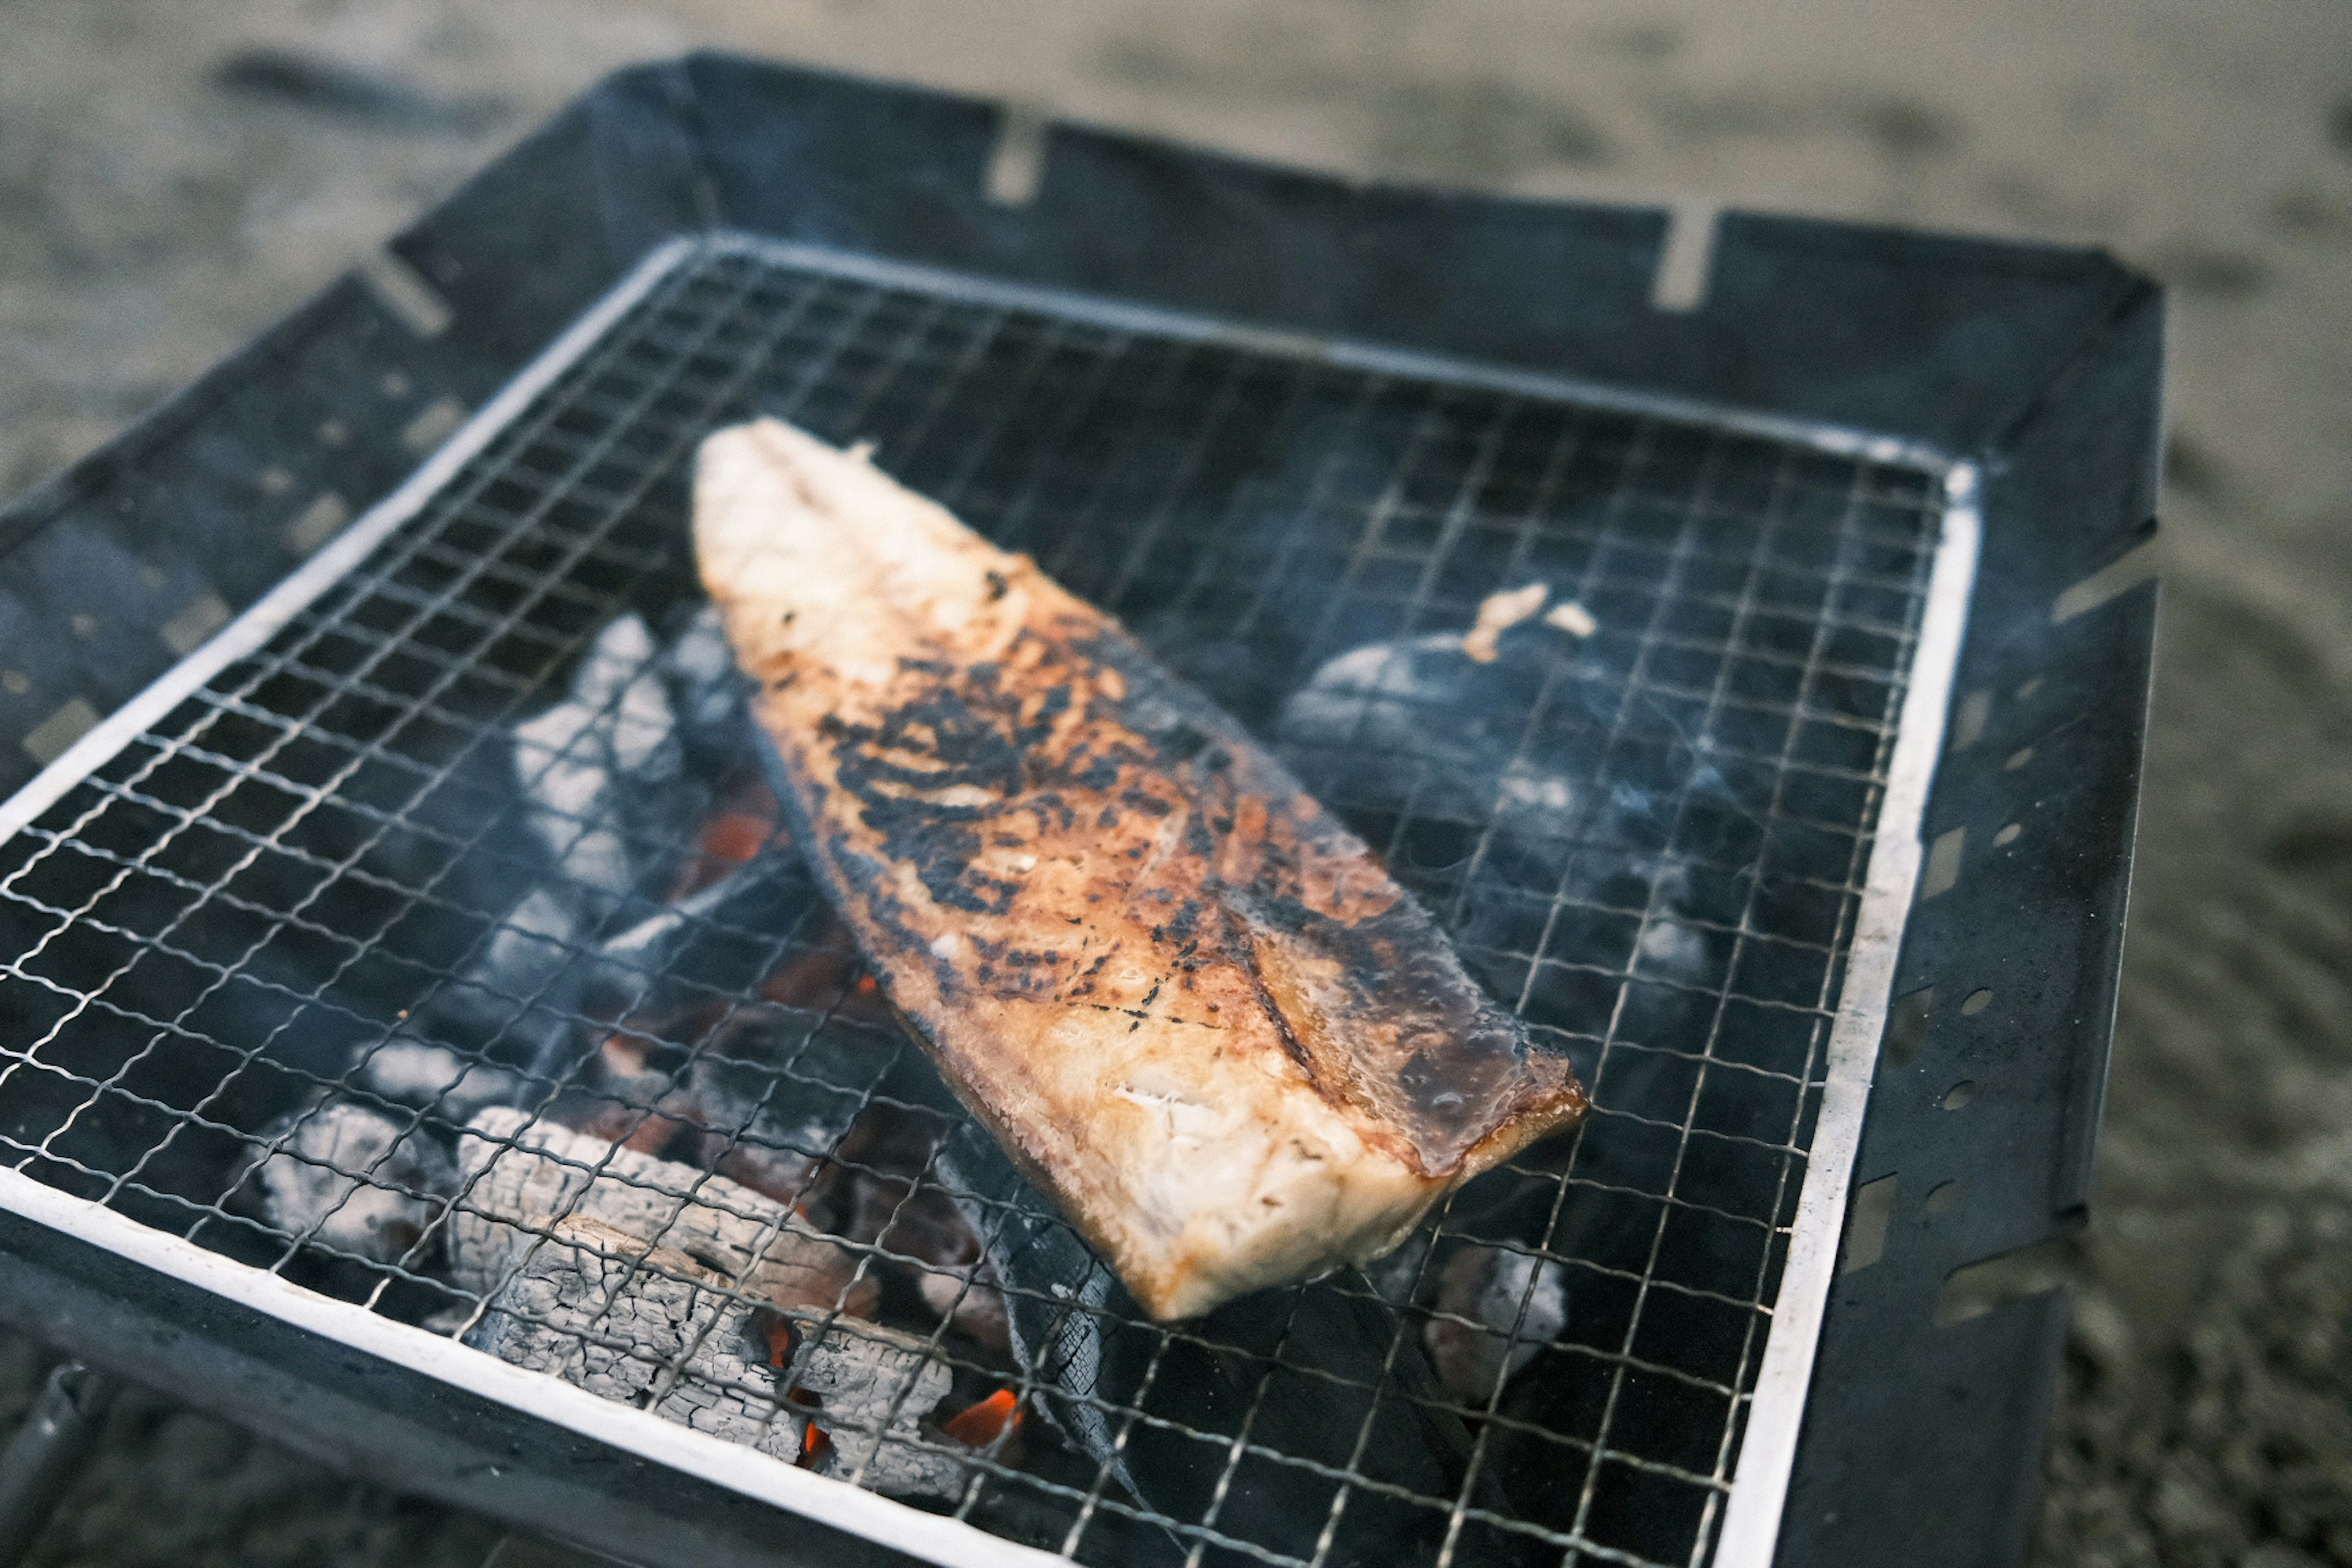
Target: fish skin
point(1187, 1001)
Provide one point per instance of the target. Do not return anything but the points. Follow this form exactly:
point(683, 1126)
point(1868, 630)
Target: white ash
point(875, 1388)
point(607, 777)
point(520, 1176)
point(701, 666)
point(1498, 1309)
point(617, 724)
point(652, 1282)
point(1437, 720)
point(354, 1179)
point(644, 1325)
point(415, 1072)
point(1414, 725)
point(1672, 948)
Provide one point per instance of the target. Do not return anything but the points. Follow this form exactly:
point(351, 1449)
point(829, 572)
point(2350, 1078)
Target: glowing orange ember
point(815, 1447)
point(986, 1422)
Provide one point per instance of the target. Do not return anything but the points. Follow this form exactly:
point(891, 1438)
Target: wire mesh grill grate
point(446, 955)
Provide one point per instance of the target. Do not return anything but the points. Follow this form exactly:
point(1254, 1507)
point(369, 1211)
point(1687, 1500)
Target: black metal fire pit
point(422, 1043)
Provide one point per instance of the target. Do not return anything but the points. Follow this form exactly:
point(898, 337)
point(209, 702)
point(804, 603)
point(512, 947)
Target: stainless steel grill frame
point(1677, 521)
point(1721, 549)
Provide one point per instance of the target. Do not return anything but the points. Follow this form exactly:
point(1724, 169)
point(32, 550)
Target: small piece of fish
point(1187, 1001)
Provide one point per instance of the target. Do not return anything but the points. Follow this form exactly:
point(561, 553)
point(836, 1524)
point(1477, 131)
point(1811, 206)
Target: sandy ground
point(160, 200)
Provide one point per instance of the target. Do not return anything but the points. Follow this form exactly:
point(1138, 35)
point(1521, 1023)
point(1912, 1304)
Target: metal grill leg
point(56, 1436)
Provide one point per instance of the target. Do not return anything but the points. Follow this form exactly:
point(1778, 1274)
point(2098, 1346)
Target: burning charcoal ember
point(745, 823)
point(762, 1099)
point(645, 1325)
point(1498, 1309)
point(828, 976)
point(870, 1390)
point(576, 761)
point(698, 1331)
point(521, 1176)
point(898, 1200)
point(354, 1179)
point(609, 780)
point(993, 1424)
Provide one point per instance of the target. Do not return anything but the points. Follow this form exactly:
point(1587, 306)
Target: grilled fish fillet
point(1188, 1002)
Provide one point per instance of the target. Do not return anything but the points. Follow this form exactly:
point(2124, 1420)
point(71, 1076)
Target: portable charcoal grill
point(424, 863)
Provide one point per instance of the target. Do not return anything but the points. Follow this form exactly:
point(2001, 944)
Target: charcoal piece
point(911, 1212)
point(353, 1179)
point(1420, 722)
point(651, 1326)
point(605, 779)
point(871, 1390)
point(758, 1100)
point(644, 1325)
point(1496, 1308)
point(651, 1282)
point(1535, 774)
point(436, 1079)
point(521, 1177)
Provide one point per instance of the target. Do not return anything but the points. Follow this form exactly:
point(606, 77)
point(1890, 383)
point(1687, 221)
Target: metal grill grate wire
point(1650, 840)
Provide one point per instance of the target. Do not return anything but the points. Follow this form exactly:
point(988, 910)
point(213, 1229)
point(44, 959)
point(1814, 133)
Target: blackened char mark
point(1457, 1058)
point(966, 737)
point(1005, 968)
point(865, 883)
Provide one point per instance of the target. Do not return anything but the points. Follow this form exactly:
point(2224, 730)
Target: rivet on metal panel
point(1944, 863)
point(437, 424)
point(1975, 1002)
point(2019, 758)
point(198, 619)
point(402, 290)
point(17, 681)
point(1686, 258)
point(2025, 691)
point(1865, 1229)
point(50, 737)
point(274, 481)
point(317, 523)
point(1941, 1197)
point(1957, 1097)
point(2006, 836)
point(1016, 164)
point(1968, 724)
point(1982, 1287)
